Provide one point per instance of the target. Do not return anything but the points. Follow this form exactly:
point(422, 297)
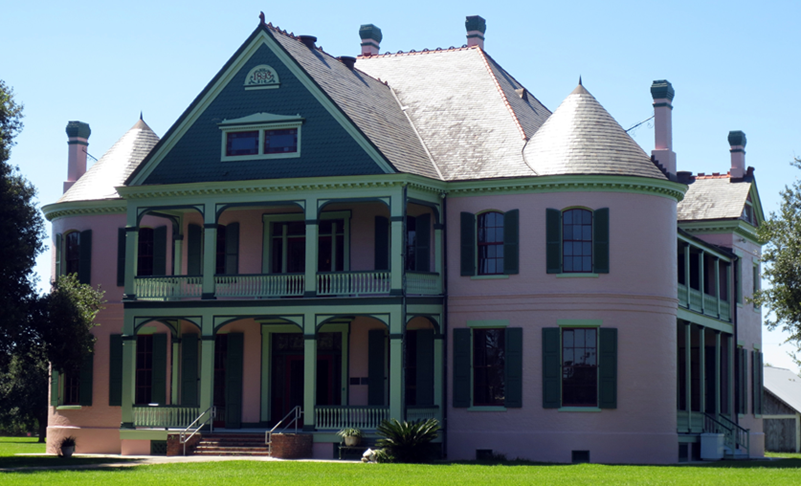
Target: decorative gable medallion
point(262, 77)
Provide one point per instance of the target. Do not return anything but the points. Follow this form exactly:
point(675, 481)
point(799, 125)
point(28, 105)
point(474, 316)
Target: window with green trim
point(580, 367)
point(577, 240)
point(74, 254)
point(490, 243)
point(488, 367)
point(73, 387)
point(489, 357)
point(285, 238)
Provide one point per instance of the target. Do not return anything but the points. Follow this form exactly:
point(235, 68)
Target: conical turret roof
point(581, 137)
point(114, 167)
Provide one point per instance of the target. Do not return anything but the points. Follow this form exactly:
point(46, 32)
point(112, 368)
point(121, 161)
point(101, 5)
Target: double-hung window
point(490, 243)
point(488, 366)
point(74, 254)
point(261, 136)
point(577, 240)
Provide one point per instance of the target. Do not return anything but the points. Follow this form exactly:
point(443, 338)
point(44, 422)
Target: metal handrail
point(734, 434)
point(742, 436)
point(184, 439)
point(296, 412)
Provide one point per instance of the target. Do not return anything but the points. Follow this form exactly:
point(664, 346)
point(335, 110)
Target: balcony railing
point(354, 283)
point(164, 416)
point(260, 285)
point(168, 287)
point(340, 417)
point(423, 283)
point(710, 303)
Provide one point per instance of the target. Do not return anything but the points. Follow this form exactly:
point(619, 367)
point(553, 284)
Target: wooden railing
point(168, 287)
point(340, 417)
point(354, 283)
point(423, 283)
point(260, 285)
point(164, 416)
point(422, 413)
point(710, 303)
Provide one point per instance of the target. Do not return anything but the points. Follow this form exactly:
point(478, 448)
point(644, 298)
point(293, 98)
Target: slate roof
point(114, 166)
point(465, 108)
point(713, 197)
point(581, 137)
point(785, 385)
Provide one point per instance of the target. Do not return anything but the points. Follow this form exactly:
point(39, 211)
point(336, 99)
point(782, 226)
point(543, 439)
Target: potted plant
point(351, 435)
point(67, 446)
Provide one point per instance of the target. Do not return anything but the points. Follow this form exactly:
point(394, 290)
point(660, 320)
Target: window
point(418, 243)
point(577, 240)
point(74, 254)
point(289, 247)
point(419, 364)
point(489, 243)
point(227, 258)
point(261, 136)
point(579, 366)
point(488, 366)
point(748, 211)
point(73, 388)
point(144, 260)
point(411, 242)
point(331, 245)
point(286, 238)
point(151, 369)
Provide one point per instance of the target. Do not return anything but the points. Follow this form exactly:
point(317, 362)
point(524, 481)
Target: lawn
point(242, 473)
point(11, 446)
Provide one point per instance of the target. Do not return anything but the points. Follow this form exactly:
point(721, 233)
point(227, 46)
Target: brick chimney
point(77, 141)
point(476, 26)
point(662, 92)
point(371, 38)
point(737, 142)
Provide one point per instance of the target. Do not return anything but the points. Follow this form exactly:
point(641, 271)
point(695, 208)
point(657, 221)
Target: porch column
point(175, 381)
point(688, 389)
point(310, 378)
point(717, 374)
point(702, 368)
point(687, 272)
point(131, 250)
point(128, 379)
point(438, 255)
point(209, 251)
point(397, 212)
point(396, 380)
point(206, 371)
point(439, 377)
point(310, 279)
point(730, 395)
point(717, 284)
point(178, 245)
point(701, 275)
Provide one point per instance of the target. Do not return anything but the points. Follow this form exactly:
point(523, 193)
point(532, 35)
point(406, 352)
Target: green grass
point(11, 446)
point(243, 473)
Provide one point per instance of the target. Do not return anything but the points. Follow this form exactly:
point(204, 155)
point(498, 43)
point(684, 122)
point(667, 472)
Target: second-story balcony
point(705, 278)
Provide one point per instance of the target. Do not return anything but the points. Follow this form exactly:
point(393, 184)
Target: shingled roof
point(581, 137)
point(465, 107)
point(114, 166)
point(713, 197)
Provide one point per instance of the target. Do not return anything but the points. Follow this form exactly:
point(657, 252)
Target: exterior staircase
point(232, 445)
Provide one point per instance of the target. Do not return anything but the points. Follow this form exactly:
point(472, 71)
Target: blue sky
point(734, 66)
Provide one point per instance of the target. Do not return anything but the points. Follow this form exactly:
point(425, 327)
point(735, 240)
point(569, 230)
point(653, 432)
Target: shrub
point(407, 442)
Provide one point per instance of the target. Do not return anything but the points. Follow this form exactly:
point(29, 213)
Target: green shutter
point(115, 371)
point(422, 249)
point(761, 389)
point(425, 367)
point(553, 240)
point(551, 368)
point(511, 242)
point(233, 381)
point(194, 253)
point(232, 249)
point(59, 255)
point(607, 368)
point(120, 257)
point(381, 243)
point(461, 368)
point(85, 264)
point(513, 367)
point(159, 382)
point(54, 388)
point(375, 364)
point(738, 277)
point(189, 372)
point(754, 382)
point(87, 381)
point(160, 250)
point(468, 255)
point(600, 240)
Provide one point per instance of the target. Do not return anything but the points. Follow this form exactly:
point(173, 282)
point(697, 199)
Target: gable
point(329, 144)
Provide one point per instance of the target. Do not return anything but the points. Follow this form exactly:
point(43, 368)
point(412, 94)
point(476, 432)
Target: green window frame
point(260, 128)
point(269, 224)
point(74, 254)
point(471, 241)
point(555, 240)
point(83, 383)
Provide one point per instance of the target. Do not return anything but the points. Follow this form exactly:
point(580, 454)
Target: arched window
point(577, 240)
point(490, 243)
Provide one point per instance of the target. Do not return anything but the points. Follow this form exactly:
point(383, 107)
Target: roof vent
point(371, 39)
point(522, 93)
point(476, 26)
point(308, 41)
point(348, 61)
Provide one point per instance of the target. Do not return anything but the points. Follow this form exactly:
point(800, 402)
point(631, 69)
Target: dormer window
point(261, 136)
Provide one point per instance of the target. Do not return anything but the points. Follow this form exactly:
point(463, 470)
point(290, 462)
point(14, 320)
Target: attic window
point(261, 136)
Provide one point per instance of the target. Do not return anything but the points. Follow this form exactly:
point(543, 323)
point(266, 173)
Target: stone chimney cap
point(78, 129)
point(475, 22)
point(370, 32)
point(662, 89)
point(737, 138)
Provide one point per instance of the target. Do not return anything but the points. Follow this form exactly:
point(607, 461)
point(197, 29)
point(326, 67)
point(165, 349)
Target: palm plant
point(408, 442)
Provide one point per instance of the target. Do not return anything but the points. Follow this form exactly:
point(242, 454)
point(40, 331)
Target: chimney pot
point(662, 93)
point(476, 26)
point(308, 40)
point(77, 140)
point(371, 39)
point(348, 61)
point(737, 143)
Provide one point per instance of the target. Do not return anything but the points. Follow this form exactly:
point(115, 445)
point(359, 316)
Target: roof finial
point(580, 80)
point(140, 115)
point(261, 17)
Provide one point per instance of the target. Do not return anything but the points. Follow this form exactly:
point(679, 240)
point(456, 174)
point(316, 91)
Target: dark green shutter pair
point(159, 253)
point(233, 380)
point(552, 367)
point(85, 256)
point(511, 243)
point(513, 368)
point(742, 380)
point(757, 381)
point(86, 374)
point(600, 240)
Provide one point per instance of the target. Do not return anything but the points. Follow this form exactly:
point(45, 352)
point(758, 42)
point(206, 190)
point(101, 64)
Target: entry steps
point(232, 445)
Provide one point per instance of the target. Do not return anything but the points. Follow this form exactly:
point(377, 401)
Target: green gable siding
point(326, 148)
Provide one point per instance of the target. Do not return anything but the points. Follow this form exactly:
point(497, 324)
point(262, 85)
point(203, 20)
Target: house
point(411, 235)
point(782, 411)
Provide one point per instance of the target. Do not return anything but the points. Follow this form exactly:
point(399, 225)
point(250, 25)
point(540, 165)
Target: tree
point(781, 260)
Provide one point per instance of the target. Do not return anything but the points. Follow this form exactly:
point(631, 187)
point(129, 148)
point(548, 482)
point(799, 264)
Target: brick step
point(231, 442)
point(231, 453)
point(232, 445)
